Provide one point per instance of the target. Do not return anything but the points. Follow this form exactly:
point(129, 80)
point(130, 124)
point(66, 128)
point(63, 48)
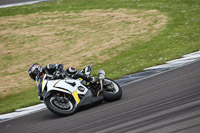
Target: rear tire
point(53, 107)
point(112, 95)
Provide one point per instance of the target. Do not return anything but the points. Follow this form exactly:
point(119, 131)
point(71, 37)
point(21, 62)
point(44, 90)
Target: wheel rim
point(114, 87)
point(63, 104)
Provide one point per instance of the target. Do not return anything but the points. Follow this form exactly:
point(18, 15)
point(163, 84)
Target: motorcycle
point(64, 96)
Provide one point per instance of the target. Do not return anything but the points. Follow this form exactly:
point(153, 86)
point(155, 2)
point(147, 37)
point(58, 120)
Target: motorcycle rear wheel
point(113, 93)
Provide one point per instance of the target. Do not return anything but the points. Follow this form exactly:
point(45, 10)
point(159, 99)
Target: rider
point(55, 71)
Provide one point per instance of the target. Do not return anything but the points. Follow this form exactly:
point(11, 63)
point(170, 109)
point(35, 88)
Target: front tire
point(112, 92)
point(61, 108)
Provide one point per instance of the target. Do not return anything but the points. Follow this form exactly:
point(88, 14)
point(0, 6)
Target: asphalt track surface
point(5, 2)
point(165, 103)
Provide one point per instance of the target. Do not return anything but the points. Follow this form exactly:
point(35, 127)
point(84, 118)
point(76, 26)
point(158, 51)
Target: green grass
point(19, 100)
point(180, 36)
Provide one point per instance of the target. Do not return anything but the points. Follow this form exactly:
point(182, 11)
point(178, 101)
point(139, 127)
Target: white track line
point(174, 64)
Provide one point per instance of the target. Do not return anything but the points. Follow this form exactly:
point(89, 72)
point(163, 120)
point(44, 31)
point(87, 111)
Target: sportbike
point(64, 96)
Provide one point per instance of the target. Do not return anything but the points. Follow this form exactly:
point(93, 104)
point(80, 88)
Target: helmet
point(34, 70)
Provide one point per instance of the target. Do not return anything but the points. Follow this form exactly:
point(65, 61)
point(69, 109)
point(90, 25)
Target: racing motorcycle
point(64, 96)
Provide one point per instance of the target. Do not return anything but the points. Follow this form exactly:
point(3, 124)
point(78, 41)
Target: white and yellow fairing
point(67, 85)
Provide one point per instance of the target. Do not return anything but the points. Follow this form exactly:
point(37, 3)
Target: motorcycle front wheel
point(112, 91)
point(62, 104)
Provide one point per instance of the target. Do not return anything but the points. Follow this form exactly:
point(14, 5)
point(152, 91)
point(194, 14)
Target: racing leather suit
point(57, 71)
point(54, 69)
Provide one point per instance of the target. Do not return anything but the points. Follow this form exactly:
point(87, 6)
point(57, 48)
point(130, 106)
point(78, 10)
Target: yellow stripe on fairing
point(75, 94)
point(42, 83)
